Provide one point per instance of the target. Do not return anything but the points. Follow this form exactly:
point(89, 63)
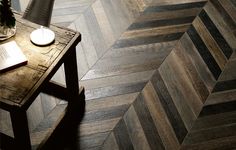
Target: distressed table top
point(20, 85)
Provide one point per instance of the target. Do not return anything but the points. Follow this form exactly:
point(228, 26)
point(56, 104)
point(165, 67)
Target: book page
point(3, 54)
point(11, 55)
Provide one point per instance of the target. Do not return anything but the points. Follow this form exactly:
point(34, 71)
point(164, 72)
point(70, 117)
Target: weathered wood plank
point(160, 118)
point(122, 137)
point(167, 103)
point(210, 43)
point(198, 62)
point(147, 123)
point(221, 24)
point(135, 130)
point(110, 143)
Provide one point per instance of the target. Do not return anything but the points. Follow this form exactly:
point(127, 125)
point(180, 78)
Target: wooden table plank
point(20, 86)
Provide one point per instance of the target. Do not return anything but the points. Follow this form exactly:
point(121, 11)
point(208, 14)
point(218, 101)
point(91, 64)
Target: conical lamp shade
point(39, 11)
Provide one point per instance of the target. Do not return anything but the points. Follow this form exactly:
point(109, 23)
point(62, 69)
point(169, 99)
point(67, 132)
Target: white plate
point(42, 36)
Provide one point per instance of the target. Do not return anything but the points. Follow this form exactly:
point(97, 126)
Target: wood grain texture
point(158, 74)
point(214, 128)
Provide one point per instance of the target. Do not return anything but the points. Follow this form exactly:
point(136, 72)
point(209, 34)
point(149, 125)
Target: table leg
point(71, 76)
point(20, 129)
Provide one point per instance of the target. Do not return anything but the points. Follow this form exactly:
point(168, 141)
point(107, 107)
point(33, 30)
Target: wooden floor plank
point(164, 128)
point(135, 130)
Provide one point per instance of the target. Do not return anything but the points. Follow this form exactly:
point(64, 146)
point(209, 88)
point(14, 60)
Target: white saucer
point(42, 36)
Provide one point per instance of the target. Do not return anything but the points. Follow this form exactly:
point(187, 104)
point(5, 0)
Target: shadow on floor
point(66, 135)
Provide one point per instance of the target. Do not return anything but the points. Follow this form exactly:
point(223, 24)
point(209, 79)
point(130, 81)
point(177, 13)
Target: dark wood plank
point(105, 114)
point(175, 7)
point(159, 23)
point(206, 55)
point(160, 119)
point(135, 130)
point(113, 90)
point(198, 62)
point(216, 34)
point(147, 123)
point(218, 108)
point(225, 85)
point(169, 107)
point(121, 135)
point(192, 72)
point(147, 40)
point(227, 18)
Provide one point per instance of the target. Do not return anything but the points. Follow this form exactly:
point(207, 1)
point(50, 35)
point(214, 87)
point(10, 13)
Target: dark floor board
point(194, 77)
point(121, 135)
point(147, 40)
point(138, 136)
point(186, 74)
point(225, 85)
point(218, 108)
point(224, 13)
point(169, 107)
point(168, 15)
point(174, 80)
point(221, 97)
point(147, 123)
point(204, 52)
point(98, 126)
point(174, 7)
point(159, 23)
point(210, 43)
point(160, 119)
point(105, 114)
point(233, 2)
point(210, 134)
point(184, 82)
point(229, 73)
point(107, 102)
point(216, 34)
point(156, 31)
point(215, 120)
point(220, 24)
point(113, 90)
point(198, 62)
point(226, 143)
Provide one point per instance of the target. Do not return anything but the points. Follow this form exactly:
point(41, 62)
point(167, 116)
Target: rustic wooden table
point(19, 87)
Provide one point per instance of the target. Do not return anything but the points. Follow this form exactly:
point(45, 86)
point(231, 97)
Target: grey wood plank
point(135, 130)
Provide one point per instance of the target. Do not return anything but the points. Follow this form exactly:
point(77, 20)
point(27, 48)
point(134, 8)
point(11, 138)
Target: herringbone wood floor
point(158, 74)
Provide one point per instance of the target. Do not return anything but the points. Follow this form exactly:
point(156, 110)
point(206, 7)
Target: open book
point(11, 56)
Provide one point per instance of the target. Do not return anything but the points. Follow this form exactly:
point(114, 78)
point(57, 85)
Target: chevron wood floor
point(158, 74)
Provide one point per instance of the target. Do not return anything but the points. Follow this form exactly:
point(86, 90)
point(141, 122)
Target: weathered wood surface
point(17, 84)
point(176, 91)
point(188, 49)
point(19, 88)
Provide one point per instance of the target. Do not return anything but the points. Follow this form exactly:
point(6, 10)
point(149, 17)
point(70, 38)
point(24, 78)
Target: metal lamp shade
point(39, 12)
